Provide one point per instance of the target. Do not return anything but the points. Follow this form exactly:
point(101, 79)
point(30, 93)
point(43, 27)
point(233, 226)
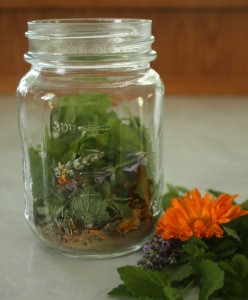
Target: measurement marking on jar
point(64, 128)
point(71, 127)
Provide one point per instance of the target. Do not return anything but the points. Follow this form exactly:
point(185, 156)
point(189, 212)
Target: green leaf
point(227, 268)
point(240, 264)
point(231, 232)
point(89, 207)
point(173, 192)
point(123, 137)
point(143, 282)
point(171, 293)
point(195, 248)
point(212, 279)
point(120, 291)
point(215, 193)
point(178, 272)
point(244, 205)
point(223, 247)
point(74, 107)
point(177, 189)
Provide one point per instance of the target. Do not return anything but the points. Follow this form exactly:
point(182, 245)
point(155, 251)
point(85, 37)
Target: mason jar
point(91, 124)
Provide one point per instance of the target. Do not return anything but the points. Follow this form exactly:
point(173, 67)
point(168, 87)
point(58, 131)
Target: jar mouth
point(88, 27)
point(90, 39)
point(91, 21)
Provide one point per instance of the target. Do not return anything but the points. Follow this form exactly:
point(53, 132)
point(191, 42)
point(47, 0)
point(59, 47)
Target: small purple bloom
point(99, 179)
point(72, 186)
point(104, 173)
point(146, 248)
point(159, 252)
point(133, 168)
point(141, 160)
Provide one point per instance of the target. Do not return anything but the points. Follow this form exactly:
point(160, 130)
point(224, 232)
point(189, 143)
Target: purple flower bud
point(146, 248)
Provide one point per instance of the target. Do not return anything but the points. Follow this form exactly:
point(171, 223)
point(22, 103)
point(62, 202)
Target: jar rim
point(90, 21)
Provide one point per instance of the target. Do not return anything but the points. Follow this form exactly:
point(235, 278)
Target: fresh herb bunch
point(92, 174)
point(215, 262)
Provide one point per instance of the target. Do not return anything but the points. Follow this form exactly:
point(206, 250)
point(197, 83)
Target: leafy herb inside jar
point(92, 176)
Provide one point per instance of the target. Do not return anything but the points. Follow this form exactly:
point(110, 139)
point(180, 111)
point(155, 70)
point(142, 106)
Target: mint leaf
point(120, 291)
point(225, 266)
point(89, 207)
point(173, 192)
point(143, 282)
point(214, 192)
point(171, 293)
point(73, 108)
point(240, 264)
point(178, 272)
point(212, 278)
point(123, 137)
point(231, 232)
point(223, 247)
point(177, 189)
point(244, 205)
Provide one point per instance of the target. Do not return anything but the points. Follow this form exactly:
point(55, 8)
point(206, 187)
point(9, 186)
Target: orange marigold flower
point(198, 216)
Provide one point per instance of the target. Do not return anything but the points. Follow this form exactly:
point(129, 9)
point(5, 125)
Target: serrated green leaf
point(89, 207)
point(178, 272)
point(212, 279)
point(240, 264)
point(227, 268)
point(120, 291)
point(194, 249)
point(143, 282)
point(231, 232)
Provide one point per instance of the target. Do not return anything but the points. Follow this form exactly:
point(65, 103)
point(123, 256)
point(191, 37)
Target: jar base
point(89, 255)
point(96, 248)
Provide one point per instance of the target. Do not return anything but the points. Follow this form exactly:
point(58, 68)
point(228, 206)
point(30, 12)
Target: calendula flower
point(194, 215)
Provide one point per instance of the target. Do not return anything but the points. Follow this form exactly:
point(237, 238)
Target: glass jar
point(91, 120)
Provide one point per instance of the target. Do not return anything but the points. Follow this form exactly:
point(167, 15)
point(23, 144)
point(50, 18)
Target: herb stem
point(126, 163)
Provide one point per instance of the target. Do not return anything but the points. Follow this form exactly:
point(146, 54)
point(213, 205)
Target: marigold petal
point(194, 215)
point(199, 228)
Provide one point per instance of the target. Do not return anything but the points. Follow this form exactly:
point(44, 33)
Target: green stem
point(188, 287)
point(126, 163)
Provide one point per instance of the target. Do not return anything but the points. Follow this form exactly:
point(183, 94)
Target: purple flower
point(133, 168)
point(146, 248)
point(159, 252)
point(104, 173)
point(71, 186)
point(141, 160)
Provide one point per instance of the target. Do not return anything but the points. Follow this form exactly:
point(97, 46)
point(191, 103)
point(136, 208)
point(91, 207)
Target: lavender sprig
point(159, 252)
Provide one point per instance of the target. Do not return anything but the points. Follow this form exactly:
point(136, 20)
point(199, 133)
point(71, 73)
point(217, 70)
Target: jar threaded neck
point(90, 42)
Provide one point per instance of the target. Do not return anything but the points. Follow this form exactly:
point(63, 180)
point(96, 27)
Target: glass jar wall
point(91, 123)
